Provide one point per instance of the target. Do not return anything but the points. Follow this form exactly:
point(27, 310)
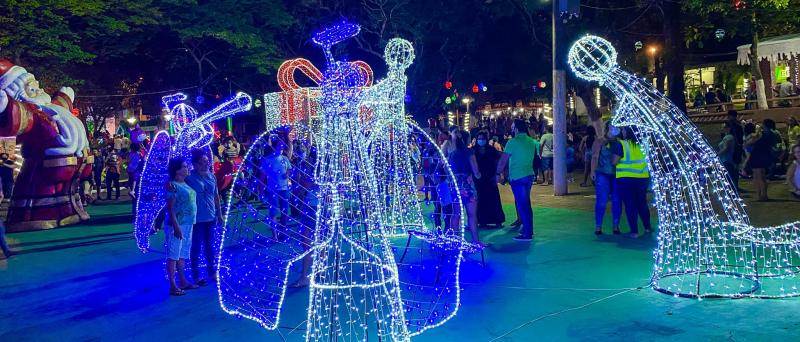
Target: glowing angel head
point(399, 54)
point(592, 58)
point(595, 59)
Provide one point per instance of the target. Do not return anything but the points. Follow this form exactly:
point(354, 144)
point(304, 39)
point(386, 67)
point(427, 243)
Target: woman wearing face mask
point(490, 211)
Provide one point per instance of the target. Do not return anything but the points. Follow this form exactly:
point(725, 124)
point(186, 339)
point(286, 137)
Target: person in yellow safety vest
point(633, 180)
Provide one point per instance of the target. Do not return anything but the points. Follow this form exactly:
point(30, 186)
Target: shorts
point(547, 163)
point(466, 188)
point(278, 202)
point(178, 249)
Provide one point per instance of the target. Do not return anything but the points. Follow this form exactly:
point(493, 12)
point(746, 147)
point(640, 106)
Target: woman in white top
point(793, 174)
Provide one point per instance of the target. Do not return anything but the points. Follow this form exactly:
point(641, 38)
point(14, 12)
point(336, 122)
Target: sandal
point(190, 287)
point(177, 292)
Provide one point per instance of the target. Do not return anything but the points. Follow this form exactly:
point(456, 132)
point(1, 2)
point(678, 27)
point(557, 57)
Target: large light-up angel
point(390, 141)
point(335, 225)
point(706, 244)
point(191, 132)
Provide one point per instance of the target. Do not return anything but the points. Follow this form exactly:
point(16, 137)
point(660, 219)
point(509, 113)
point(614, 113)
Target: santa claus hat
point(9, 73)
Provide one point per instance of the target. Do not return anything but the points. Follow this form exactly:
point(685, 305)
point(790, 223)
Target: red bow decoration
point(298, 102)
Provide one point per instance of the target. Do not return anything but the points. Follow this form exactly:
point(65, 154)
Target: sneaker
point(523, 238)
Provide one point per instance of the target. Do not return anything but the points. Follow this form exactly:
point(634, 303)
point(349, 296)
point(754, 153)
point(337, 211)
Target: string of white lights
point(706, 244)
point(347, 140)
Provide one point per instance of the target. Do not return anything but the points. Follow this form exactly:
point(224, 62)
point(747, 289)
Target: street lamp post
point(466, 101)
point(559, 105)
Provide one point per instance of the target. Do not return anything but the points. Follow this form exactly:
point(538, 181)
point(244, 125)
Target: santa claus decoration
point(54, 148)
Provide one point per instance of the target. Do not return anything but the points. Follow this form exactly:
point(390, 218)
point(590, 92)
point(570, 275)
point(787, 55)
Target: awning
point(775, 48)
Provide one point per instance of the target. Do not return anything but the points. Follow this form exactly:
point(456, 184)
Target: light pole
point(559, 105)
point(466, 101)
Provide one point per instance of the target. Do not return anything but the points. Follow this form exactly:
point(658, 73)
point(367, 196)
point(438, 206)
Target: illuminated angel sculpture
point(322, 220)
point(192, 131)
point(706, 244)
point(389, 133)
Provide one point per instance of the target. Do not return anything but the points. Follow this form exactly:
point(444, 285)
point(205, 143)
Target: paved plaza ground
point(91, 283)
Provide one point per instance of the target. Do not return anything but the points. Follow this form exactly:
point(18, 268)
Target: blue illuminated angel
point(706, 244)
point(191, 131)
point(329, 219)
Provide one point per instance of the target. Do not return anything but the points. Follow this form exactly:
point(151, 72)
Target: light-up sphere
point(592, 57)
point(399, 54)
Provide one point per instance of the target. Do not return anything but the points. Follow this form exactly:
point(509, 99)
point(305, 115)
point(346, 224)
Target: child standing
point(112, 175)
point(275, 168)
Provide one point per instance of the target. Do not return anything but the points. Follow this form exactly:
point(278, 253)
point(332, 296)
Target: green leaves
point(766, 17)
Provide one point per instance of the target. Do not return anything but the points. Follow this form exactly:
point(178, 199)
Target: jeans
point(3, 243)
point(202, 236)
point(8, 188)
point(606, 186)
point(634, 196)
point(112, 178)
point(521, 188)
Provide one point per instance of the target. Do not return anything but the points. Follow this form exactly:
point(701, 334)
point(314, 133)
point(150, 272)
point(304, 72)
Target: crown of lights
point(353, 187)
point(191, 132)
point(706, 244)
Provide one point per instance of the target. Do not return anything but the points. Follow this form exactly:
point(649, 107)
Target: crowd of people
point(520, 153)
point(760, 152)
point(716, 95)
point(507, 151)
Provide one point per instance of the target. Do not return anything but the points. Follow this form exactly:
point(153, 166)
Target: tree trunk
point(659, 71)
point(761, 92)
point(584, 91)
point(673, 54)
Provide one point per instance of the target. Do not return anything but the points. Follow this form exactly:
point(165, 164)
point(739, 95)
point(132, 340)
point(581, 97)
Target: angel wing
point(257, 251)
point(429, 263)
point(151, 200)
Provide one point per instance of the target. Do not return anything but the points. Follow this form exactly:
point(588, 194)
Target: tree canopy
point(212, 47)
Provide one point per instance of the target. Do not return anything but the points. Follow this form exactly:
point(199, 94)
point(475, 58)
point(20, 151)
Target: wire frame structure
point(192, 131)
point(706, 244)
point(325, 224)
point(390, 147)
